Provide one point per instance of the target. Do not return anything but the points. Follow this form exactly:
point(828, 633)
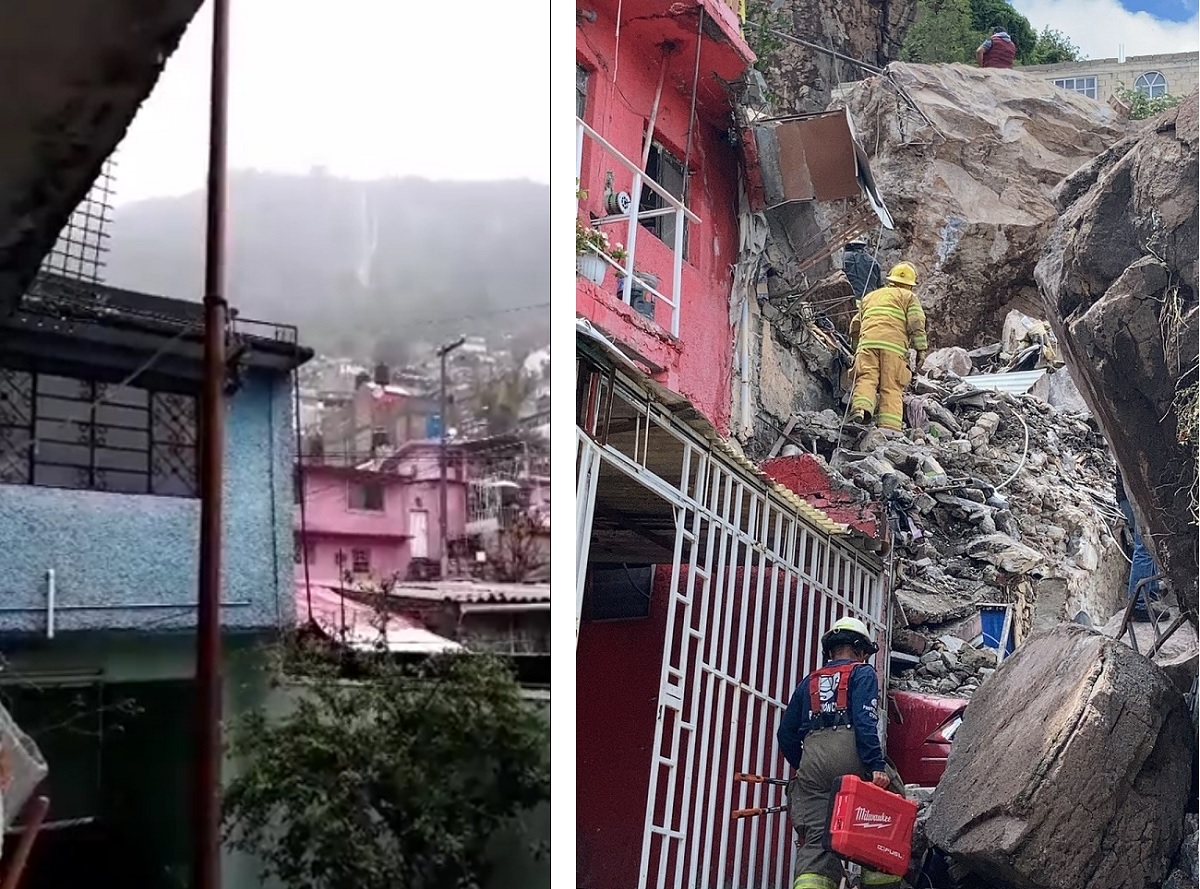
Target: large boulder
point(1120, 284)
point(1179, 656)
point(968, 175)
point(1072, 768)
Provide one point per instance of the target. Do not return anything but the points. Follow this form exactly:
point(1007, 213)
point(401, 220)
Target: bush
point(400, 778)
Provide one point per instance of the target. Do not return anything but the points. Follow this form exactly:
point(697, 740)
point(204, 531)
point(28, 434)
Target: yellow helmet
point(903, 273)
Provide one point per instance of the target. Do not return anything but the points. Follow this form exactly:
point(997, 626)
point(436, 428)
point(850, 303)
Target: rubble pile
point(1089, 787)
point(999, 500)
point(950, 667)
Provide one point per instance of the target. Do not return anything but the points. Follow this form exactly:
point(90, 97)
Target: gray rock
point(1005, 553)
point(976, 658)
point(924, 504)
point(1028, 795)
point(1179, 656)
point(953, 360)
point(947, 683)
point(951, 643)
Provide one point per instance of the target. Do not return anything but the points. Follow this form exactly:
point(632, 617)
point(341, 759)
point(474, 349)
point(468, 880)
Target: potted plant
point(591, 247)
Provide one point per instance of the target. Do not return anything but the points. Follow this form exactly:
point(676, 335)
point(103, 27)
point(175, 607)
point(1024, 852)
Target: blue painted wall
point(130, 561)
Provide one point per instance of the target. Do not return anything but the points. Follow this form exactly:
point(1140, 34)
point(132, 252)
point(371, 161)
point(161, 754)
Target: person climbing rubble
point(831, 729)
point(998, 51)
point(1143, 565)
point(861, 268)
point(888, 323)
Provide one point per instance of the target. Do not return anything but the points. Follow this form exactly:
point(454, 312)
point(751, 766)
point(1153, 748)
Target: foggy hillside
point(356, 265)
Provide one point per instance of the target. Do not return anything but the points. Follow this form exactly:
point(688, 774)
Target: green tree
point(942, 33)
point(1053, 47)
point(401, 777)
point(1142, 106)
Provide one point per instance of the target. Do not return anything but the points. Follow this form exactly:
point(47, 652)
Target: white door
point(418, 527)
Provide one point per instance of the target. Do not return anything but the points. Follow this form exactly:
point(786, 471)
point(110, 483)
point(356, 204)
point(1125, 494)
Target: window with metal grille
point(1085, 86)
point(667, 170)
point(367, 496)
point(581, 89)
point(1152, 85)
point(360, 561)
point(63, 432)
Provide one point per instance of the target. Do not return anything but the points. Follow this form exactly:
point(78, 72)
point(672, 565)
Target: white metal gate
point(753, 589)
point(754, 585)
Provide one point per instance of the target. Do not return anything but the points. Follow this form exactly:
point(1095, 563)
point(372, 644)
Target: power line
point(473, 316)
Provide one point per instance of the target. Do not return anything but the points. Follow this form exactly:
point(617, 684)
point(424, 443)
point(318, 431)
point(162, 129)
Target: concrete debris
point(951, 361)
point(985, 518)
point(1120, 277)
point(1095, 795)
point(969, 175)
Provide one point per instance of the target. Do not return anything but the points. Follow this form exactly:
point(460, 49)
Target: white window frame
point(1085, 85)
point(1151, 84)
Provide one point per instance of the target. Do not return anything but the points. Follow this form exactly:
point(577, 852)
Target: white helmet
point(849, 631)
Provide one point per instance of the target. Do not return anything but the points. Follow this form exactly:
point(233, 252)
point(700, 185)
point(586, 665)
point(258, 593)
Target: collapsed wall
point(1120, 281)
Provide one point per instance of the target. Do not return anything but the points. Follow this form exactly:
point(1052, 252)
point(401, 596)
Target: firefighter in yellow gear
point(889, 322)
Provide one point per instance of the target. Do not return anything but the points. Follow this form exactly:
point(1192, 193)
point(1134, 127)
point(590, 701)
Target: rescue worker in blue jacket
point(831, 729)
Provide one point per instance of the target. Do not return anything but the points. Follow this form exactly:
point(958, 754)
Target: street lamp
point(442, 522)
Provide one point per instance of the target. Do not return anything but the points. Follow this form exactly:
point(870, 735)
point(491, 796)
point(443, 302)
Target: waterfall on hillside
point(367, 237)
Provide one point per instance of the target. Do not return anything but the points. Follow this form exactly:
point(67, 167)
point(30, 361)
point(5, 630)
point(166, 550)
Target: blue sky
point(1100, 28)
point(1167, 10)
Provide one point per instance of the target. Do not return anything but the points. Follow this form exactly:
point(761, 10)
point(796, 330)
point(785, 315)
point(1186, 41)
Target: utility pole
point(206, 799)
point(443, 524)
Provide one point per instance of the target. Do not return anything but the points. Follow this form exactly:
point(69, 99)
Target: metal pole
point(206, 814)
point(443, 453)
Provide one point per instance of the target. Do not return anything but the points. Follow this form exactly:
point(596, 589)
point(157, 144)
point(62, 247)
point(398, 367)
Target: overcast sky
point(1098, 27)
point(375, 88)
point(365, 88)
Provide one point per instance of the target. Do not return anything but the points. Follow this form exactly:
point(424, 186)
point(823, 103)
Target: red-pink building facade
point(619, 70)
point(372, 523)
point(621, 64)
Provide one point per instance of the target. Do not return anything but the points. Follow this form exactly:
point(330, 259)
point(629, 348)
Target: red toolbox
point(870, 826)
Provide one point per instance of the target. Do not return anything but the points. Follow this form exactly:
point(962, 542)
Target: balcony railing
point(674, 207)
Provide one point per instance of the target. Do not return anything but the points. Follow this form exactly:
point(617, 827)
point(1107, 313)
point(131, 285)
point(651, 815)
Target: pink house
point(374, 523)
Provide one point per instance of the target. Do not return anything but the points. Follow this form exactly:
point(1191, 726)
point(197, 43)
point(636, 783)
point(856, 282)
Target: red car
point(920, 731)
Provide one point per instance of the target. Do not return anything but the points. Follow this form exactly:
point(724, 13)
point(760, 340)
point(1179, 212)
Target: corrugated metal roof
point(1015, 383)
point(469, 591)
point(338, 615)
